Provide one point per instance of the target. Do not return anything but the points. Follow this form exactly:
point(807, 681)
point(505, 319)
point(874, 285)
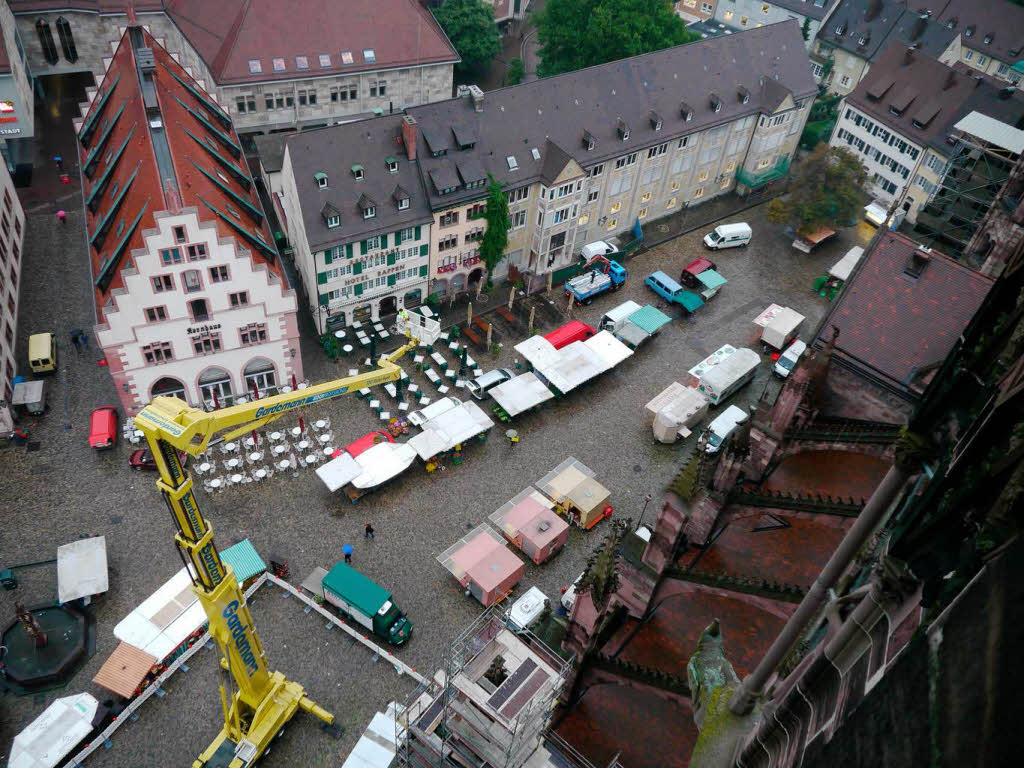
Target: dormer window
point(988, 38)
point(655, 119)
point(685, 111)
point(863, 40)
point(893, 109)
point(321, 180)
point(969, 32)
point(840, 30)
point(392, 164)
point(513, 164)
point(716, 103)
point(369, 212)
point(367, 206)
point(623, 129)
point(333, 221)
point(331, 215)
point(743, 95)
point(589, 141)
point(357, 172)
point(401, 198)
point(403, 204)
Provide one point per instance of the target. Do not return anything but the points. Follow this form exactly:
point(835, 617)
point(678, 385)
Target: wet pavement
point(64, 490)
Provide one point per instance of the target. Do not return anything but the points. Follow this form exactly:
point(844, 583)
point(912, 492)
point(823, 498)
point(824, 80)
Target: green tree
point(492, 247)
point(516, 70)
point(805, 29)
point(470, 26)
point(828, 191)
point(575, 34)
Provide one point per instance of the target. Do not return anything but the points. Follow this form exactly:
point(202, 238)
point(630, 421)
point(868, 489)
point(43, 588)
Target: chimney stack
point(908, 57)
point(950, 79)
point(478, 97)
point(409, 131)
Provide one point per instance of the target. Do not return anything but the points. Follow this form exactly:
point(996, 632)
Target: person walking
point(347, 551)
point(75, 341)
point(61, 215)
point(60, 162)
point(368, 532)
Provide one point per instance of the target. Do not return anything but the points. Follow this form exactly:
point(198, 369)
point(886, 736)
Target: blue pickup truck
point(596, 281)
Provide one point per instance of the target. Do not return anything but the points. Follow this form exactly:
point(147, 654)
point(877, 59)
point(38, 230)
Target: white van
point(728, 236)
point(526, 609)
point(615, 318)
point(569, 596)
point(597, 248)
point(432, 411)
point(723, 426)
point(787, 360)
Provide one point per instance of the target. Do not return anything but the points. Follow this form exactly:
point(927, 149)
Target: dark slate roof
point(334, 151)
point(918, 83)
point(271, 151)
point(974, 20)
point(516, 120)
point(891, 325)
point(869, 25)
point(808, 8)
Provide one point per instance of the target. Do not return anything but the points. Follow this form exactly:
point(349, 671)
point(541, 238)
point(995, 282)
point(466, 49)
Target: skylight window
point(279, 65)
point(255, 67)
point(535, 153)
point(357, 171)
point(512, 162)
point(325, 60)
point(301, 62)
point(346, 57)
point(369, 56)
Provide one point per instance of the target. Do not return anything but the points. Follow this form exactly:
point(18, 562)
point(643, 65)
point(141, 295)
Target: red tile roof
point(891, 325)
point(122, 183)
point(229, 34)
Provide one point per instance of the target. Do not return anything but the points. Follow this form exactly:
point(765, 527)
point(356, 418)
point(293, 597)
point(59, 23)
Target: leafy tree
point(828, 191)
point(492, 247)
point(470, 26)
point(805, 30)
point(516, 70)
point(581, 33)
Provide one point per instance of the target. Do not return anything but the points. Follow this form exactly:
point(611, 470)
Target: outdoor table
point(203, 468)
point(433, 377)
point(390, 389)
point(329, 450)
point(375, 403)
point(460, 384)
point(275, 436)
point(364, 341)
point(261, 473)
point(296, 431)
point(438, 358)
point(215, 483)
point(236, 478)
point(470, 362)
point(324, 439)
point(286, 389)
point(249, 442)
point(378, 327)
point(231, 463)
point(255, 456)
point(312, 458)
point(444, 336)
point(353, 371)
point(365, 391)
point(357, 324)
point(414, 388)
point(279, 449)
point(320, 424)
point(283, 464)
point(302, 385)
point(302, 445)
point(418, 359)
point(403, 406)
point(339, 334)
point(443, 389)
point(230, 447)
point(451, 373)
point(384, 335)
point(347, 349)
point(424, 400)
point(454, 346)
point(385, 415)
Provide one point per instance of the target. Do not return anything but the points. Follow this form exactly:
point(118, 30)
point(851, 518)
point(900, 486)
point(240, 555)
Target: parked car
point(688, 276)
point(723, 425)
point(141, 459)
point(728, 236)
point(673, 292)
point(42, 353)
point(480, 386)
point(103, 427)
point(574, 330)
point(597, 248)
point(787, 360)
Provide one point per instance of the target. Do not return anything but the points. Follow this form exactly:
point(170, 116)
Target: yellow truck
point(42, 352)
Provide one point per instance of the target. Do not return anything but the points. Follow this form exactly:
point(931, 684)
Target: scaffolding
point(461, 719)
point(982, 159)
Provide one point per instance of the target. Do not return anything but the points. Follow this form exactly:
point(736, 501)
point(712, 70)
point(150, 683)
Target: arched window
point(168, 387)
point(215, 387)
point(46, 41)
point(67, 40)
point(260, 372)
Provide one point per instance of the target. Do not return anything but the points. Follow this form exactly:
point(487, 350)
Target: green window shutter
point(321, 278)
point(392, 279)
point(359, 289)
point(417, 233)
point(357, 268)
point(398, 237)
point(348, 250)
point(327, 257)
point(423, 249)
point(423, 269)
point(384, 241)
point(391, 259)
point(324, 299)
point(362, 247)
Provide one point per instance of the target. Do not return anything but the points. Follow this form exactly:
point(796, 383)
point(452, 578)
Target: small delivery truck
point(735, 371)
point(367, 603)
point(592, 283)
point(780, 326)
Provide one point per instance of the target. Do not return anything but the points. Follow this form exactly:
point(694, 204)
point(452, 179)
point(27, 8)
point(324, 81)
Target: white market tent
point(842, 268)
point(376, 747)
point(51, 736)
point(165, 619)
point(381, 463)
point(537, 351)
point(451, 428)
point(521, 393)
point(82, 569)
point(339, 472)
point(608, 348)
point(576, 365)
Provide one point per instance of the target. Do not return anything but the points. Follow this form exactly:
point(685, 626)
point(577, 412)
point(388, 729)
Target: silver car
point(480, 386)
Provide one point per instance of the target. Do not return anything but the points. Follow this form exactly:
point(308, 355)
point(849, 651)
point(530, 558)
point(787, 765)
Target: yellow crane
point(264, 701)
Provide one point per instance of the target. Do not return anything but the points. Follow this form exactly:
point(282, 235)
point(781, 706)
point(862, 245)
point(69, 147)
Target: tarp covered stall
point(164, 620)
point(381, 463)
point(48, 739)
point(674, 411)
point(482, 563)
point(842, 269)
point(782, 328)
point(531, 526)
point(710, 282)
point(720, 354)
point(244, 560)
point(642, 325)
point(82, 569)
point(576, 364)
point(449, 429)
point(571, 485)
point(537, 351)
point(125, 670)
point(339, 472)
point(376, 746)
point(521, 393)
point(608, 348)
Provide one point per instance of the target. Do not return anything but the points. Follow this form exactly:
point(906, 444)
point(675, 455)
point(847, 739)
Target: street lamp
point(647, 500)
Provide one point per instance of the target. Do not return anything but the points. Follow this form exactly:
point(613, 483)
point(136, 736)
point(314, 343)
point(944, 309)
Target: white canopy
point(609, 348)
point(50, 737)
point(339, 472)
point(576, 364)
point(537, 351)
point(82, 569)
point(382, 462)
point(164, 619)
point(845, 265)
point(521, 393)
point(451, 428)
point(376, 747)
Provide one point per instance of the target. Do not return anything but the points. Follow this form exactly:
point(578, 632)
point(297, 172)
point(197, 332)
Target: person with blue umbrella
point(347, 551)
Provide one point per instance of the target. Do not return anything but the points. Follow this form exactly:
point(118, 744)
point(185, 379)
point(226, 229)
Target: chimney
point(950, 79)
point(908, 57)
point(873, 10)
point(478, 97)
point(409, 131)
point(920, 24)
point(918, 261)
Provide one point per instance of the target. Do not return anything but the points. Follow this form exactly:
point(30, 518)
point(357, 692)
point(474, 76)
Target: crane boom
point(264, 701)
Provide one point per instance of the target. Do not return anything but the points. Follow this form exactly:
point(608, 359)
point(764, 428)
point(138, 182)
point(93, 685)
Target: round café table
point(329, 451)
point(236, 479)
point(283, 464)
point(261, 473)
point(215, 483)
point(232, 463)
point(302, 445)
point(203, 468)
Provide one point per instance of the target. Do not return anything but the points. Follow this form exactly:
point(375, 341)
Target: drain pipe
point(881, 500)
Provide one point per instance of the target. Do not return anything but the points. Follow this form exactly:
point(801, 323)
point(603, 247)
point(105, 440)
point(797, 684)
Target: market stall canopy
point(559, 482)
point(451, 428)
point(124, 670)
point(48, 739)
point(163, 620)
point(576, 364)
point(531, 520)
point(82, 569)
point(537, 351)
point(381, 463)
point(244, 560)
point(482, 558)
point(608, 348)
point(376, 747)
point(842, 268)
point(521, 393)
point(711, 280)
point(650, 319)
point(339, 472)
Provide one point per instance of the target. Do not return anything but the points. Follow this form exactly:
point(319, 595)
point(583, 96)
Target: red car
point(365, 442)
point(574, 330)
point(103, 427)
point(688, 277)
point(143, 459)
